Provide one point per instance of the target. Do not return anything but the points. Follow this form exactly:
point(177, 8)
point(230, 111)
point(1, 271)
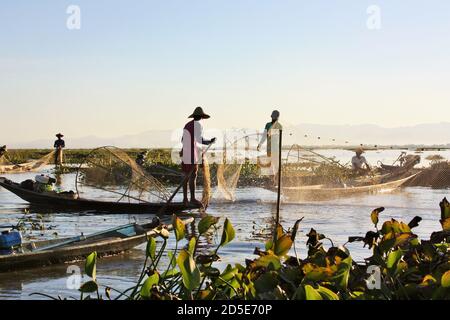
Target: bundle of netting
point(206, 194)
point(6, 166)
point(304, 166)
point(111, 171)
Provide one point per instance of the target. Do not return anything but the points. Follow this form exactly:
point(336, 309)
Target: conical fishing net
point(7, 167)
point(111, 171)
point(227, 180)
point(236, 152)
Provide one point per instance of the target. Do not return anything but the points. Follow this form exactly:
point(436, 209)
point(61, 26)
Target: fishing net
point(236, 151)
point(227, 180)
point(437, 176)
point(111, 170)
point(7, 167)
point(206, 194)
point(3, 160)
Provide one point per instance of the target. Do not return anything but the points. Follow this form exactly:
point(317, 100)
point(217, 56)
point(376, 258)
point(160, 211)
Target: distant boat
point(322, 192)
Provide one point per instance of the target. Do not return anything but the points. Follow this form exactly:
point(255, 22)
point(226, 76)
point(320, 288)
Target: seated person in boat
point(191, 155)
point(44, 183)
point(2, 151)
point(359, 162)
point(140, 159)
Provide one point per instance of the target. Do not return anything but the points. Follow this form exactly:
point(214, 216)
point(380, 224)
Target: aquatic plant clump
point(401, 266)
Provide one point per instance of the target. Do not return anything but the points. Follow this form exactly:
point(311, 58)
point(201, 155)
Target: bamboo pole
point(186, 178)
point(277, 219)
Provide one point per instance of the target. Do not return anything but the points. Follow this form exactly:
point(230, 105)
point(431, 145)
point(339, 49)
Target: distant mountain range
point(303, 134)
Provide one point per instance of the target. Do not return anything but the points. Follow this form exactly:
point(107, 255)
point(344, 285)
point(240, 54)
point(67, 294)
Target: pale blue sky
point(143, 65)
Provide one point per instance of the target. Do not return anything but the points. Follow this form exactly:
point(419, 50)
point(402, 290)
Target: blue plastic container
point(10, 239)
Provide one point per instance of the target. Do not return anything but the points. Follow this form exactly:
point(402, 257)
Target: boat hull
point(55, 202)
point(111, 245)
point(319, 192)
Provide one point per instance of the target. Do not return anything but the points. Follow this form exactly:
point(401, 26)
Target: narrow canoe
point(106, 244)
point(321, 192)
point(48, 200)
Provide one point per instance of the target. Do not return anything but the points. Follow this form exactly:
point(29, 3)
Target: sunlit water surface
point(251, 215)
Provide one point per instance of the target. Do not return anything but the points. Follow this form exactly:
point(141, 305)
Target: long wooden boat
point(53, 200)
point(42, 253)
point(321, 192)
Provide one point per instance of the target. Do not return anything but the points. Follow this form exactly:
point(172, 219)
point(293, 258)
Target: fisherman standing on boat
point(190, 153)
point(359, 161)
point(272, 136)
point(59, 145)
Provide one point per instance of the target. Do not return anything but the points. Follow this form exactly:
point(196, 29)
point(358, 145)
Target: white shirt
point(357, 163)
point(191, 146)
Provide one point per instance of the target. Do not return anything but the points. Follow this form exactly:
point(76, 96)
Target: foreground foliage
point(406, 267)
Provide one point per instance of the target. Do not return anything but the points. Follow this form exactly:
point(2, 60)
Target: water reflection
point(251, 215)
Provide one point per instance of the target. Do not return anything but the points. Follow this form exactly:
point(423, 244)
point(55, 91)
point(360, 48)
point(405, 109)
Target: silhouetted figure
point(191, 155)
point(140, 159)
point(59, 145)
point(2, 150)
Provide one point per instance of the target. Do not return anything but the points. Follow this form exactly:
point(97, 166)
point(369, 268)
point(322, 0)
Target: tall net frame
point(111, 170)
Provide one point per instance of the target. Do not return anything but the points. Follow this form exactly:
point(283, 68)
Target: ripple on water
point(251, 215)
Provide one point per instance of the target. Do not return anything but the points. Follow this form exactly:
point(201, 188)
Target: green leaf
point(88, 287)
point(283, 245)
point(227, 234)
point(327, 294)
point(189, 270)
point(374, 215)
point(151, 248)
point(170, 273)
point(393, 258)
point(386, 227)
point(178, 228)
point(295, 229)
point(445, 280)
point(445, 209)
point(151, 281)
point(269, 260)
point(343, 273)
point(311, 293)
point(191, 245)
point(229, 272)
point(266, 282)
point(445, 224)
point(269, 244)
point(108, 293)
point(90, 267)
point(206, 223)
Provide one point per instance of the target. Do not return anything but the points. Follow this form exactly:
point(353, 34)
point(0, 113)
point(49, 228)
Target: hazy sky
point(142, 65)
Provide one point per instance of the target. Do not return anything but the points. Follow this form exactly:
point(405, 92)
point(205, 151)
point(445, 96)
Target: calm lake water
point(251, 215)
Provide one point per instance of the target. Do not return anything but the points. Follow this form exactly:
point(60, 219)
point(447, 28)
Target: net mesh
point(206, 194)
point(7, 167)
point(111, 170)
point(227, 180)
